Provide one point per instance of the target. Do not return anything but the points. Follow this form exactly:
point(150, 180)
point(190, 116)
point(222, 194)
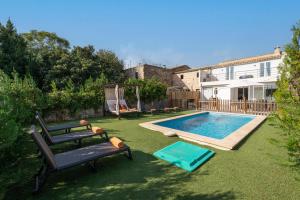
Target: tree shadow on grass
point(118, 178)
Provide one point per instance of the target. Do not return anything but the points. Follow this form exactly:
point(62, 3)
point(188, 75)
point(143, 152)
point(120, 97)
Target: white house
point(253, 78)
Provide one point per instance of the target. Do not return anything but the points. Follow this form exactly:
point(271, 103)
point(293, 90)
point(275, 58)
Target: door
point(242, 93)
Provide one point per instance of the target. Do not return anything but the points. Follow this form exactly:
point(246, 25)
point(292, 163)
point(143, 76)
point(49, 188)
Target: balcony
point(239, 75)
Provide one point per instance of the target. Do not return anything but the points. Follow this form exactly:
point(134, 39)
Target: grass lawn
point(257, 170)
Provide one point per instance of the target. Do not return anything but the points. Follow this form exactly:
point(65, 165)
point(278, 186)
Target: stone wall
point(163, 74)
point(63, 115)
point(149, 71)
point(131, 72)
point(190, 80)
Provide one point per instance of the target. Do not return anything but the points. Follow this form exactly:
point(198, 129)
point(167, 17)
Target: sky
point(162, 32)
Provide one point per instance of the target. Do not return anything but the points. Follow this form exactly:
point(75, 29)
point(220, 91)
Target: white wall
point(223, 93)
point(247, 69)
point(207, 93)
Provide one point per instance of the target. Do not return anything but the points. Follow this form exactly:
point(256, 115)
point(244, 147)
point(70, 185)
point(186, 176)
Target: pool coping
point(227, 143)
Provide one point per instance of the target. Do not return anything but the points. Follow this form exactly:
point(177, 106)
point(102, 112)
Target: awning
point(243, 83)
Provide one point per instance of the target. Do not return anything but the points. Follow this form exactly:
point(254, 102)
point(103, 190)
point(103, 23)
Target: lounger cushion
point(116, 142)
point(85, 154)
point(72, 136)
point(84, 122)
point(97, 130)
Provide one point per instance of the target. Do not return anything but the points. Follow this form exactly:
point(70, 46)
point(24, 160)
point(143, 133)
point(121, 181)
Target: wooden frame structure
point(114, 97)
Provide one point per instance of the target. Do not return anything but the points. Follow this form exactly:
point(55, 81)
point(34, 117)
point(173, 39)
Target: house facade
point(252, 78)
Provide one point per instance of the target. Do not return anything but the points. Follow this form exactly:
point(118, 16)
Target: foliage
point(48, 57)
point(111, 66)
point(23, 96)
point(13, 50)
point(62, 99)
point(78, 66)
point(90, 95)
point(150, 89)
point(288, 95)
point(19, 98)
point(45, 49)
point(10, 130)
point(83, 63)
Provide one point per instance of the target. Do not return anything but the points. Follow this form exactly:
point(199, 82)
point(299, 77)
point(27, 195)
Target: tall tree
point(82, 63)
point(13, 52)
point(45, 49)
point(111, 66)
point(78, 66)
point(288, 95)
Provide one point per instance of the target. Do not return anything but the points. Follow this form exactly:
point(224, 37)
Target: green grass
point(257, 170)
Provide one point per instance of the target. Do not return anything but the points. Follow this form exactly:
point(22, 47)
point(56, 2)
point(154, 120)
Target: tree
point(78, 66)
point(82, 63)
point(287, 95)
point(111, 66)
point(45, 49)
point(13, 52)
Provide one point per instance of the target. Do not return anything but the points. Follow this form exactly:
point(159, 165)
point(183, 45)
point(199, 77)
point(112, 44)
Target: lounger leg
point(92, 165)
point(79, 143)
point(106, 136)
point(128, 154)
point(40, 178)
point(89, 127)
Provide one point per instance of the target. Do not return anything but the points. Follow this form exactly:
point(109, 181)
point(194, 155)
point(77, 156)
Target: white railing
point(238, 75)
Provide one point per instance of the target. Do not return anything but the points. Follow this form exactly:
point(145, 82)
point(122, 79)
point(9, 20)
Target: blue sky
point(166, 32)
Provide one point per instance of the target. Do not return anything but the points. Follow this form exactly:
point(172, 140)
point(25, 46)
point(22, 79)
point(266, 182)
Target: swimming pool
point(217, 129)
point(209, 124)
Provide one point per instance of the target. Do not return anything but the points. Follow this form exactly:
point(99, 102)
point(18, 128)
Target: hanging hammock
point(116, 104)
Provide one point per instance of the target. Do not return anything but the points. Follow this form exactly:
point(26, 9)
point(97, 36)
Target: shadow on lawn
point(116, 178)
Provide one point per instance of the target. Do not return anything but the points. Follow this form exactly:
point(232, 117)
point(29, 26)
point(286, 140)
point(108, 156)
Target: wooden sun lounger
point(65, 126)
point(58, 162)
point(73, 136)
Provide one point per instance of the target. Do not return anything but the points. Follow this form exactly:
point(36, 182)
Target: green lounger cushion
point(184, 155)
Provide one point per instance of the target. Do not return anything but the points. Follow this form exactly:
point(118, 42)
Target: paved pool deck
point(227, 143)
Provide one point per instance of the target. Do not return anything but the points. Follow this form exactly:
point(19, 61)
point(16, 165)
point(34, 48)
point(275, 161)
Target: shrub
point(150, 89)
point(89, 95)
point(19, 98)
point(287, 96)
point(10, 130)
point(25, 98)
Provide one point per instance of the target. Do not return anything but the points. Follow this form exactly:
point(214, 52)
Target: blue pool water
point(214, 125)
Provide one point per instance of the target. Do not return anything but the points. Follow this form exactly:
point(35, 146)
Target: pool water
point(209, 124)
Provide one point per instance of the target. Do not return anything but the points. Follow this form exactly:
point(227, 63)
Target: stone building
point(146, 71)
point(187, 79)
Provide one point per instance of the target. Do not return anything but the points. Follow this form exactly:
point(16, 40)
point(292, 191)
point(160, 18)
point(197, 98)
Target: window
point(262, 70)
point(181, 76)
point(227, 73)
point(269, 92)
point(197, 74)
point(216, 91)
point(268, 68)
point(231, 73)
point(136, 75)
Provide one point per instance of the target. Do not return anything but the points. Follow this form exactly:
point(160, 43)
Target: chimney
point(277, 50)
